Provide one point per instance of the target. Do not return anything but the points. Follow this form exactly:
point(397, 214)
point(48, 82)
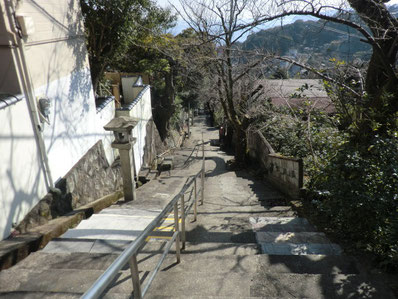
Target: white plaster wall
point(74, 124)
point(58, 70)
point(128, 89)
point(102, 118)
point(22, 183)
point(74, 128)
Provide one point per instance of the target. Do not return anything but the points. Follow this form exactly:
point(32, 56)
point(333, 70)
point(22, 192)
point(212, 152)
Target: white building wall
point(57, 64)
point(102, 118)
point(22, 181)
point(74, 125)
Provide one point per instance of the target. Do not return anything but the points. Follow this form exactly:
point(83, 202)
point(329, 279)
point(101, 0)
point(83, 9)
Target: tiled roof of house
point(285, 92)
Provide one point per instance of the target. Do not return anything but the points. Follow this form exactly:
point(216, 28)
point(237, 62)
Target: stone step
point(64, 245)
point(56, 295)
point(153, 246)
point(152, 175)
point(130, 212)
point(306, 264)
point(216, 223)
point(237, 222)
point(300, 249)
point(225, 201)
point(310, 264)
point(253, 208)
point(109, 226)
point(201, 234)
point(246, 211)
point(203, 284)
point(38, 295)
point(203, 297)
point(255, 186)
point(268, 196)
point(143, 173)
point(102, 233)
point(292, 237)
point(281, 224)
point(258, 221)
point(71, 260)
point(115, 224)
point(70, 281)
point(272, 285)
point(207, 248)
point(264, 264)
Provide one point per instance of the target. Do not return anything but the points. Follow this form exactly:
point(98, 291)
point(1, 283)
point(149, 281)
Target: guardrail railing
point(129, 255)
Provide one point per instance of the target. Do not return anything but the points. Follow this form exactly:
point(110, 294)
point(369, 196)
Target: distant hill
point(312, 40)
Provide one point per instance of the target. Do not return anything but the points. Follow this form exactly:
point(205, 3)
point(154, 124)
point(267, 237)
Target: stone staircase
point(246, 243)
point(254, 246)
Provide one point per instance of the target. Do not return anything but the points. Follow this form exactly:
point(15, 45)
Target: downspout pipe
point(28, 89)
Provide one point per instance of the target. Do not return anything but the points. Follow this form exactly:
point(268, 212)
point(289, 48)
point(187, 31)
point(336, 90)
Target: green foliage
point(352, 185)
point(173, 64)
point(112, 26)
point(176, 121)
point(219, 117)
point(355, 189)
point(301, 132)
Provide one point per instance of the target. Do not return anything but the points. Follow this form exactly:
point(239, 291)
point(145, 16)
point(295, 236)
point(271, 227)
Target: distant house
point(51, 127)
point(298, 93)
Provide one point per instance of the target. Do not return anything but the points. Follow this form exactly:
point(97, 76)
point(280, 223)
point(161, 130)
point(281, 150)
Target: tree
point(113, 25)
point(356, 179)
point(379, 28)
point(148, 56)
point(173, 64)
point(220, 23)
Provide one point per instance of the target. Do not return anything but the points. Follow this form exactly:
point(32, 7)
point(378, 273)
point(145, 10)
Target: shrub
point(356, 188)
point(309, 137)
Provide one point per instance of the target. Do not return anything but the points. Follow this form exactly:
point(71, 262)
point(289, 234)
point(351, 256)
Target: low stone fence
point(285, 173)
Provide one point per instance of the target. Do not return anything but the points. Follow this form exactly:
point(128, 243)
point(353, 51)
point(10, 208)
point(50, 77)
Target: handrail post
point(202, 191)
point(135, 277)
point(195, 204)
point(178, 253)
point(203, 171)
point(129, 255)
point(203, 147)
point(183, 221)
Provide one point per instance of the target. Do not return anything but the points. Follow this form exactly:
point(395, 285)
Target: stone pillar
point(122, 128)
point(126, 152)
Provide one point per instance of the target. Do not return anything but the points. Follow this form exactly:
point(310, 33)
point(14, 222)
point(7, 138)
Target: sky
point(181, 25)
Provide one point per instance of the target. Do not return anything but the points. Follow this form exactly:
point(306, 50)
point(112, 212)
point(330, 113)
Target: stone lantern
point(122, 127)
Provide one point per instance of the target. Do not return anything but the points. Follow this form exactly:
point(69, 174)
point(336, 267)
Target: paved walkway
point(246, 243)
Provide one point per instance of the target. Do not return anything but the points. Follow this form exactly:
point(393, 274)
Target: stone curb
point(17, 248)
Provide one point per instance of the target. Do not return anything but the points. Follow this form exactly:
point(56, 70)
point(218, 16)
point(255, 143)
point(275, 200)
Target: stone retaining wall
point(285, 173)
point(91, 178)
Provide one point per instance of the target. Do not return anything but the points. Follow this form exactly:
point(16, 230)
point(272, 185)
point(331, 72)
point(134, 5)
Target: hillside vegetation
point(314, 41)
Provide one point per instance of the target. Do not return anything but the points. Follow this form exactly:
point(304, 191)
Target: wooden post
point(116, 94)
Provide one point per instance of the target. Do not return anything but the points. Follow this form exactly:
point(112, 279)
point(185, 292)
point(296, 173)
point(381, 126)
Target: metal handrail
point(129, 255)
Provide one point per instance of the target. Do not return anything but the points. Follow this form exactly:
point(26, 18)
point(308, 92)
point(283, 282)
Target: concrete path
point(246, 243)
